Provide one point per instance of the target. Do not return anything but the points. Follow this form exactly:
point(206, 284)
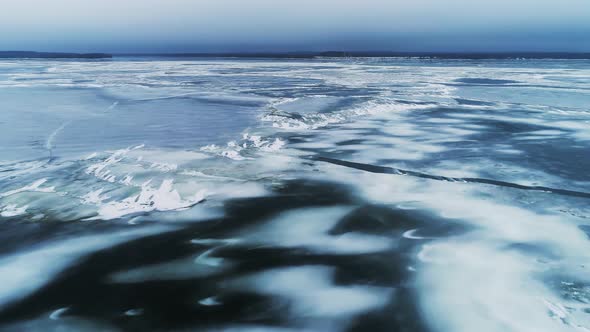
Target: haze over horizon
point(159, 26)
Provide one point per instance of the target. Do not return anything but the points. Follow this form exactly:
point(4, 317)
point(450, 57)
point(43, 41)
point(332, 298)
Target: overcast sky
point(282, 25)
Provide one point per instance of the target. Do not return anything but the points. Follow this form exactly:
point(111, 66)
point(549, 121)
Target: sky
point(156, 26)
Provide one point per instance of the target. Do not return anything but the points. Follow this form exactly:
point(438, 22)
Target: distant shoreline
point(304, 55)
point(51, 55)
point(377, 54)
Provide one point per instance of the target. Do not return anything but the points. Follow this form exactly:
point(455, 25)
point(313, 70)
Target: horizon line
point(309, 54)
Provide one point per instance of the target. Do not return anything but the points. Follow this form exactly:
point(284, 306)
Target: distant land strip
point(371, 54)
point(52, 55)
point(305, 55)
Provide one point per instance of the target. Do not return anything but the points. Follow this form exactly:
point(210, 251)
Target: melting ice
point(296, 195)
